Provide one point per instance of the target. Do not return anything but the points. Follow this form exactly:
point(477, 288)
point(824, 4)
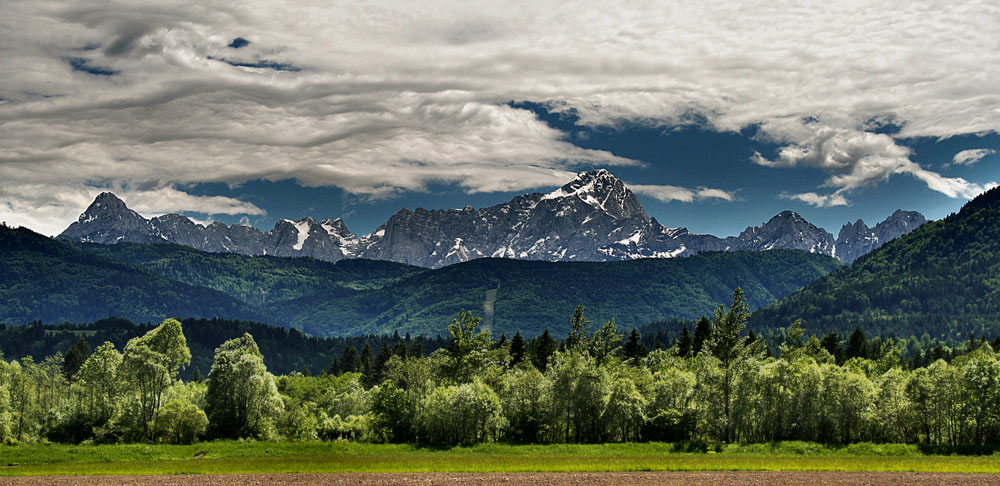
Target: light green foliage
point(5, 412)
point(150, 364)
point(242, 399)
point(730, 392)
point(299, 421)
point(981, 382)
point(179, 422)
point(624, 413)
point(461, 414)
point(606, 343)
point(394, 413)
point(99, 377)
point(578, 395)
point(468, 350)
point(523, 399)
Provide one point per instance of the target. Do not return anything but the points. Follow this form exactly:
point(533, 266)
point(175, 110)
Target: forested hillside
point(47, 280)
point(532, 296)
point(256, 280)
point(55, 281)
point(942, 279)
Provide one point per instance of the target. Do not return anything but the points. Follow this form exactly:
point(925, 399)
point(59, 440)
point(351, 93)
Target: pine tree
point(542, 348)
point(634, 349)
point(517, 349)
point(349, 361)
point(366, 364)
point(75, 358)
point(685, 343)
point(832, 344)
point(702, 333)
point(857, 345)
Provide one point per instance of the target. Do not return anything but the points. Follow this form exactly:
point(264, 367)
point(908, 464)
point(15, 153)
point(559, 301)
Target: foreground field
point(722, 478)
point(229, 457)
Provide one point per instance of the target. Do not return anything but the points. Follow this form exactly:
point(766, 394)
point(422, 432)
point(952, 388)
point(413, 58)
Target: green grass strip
point(278, 457)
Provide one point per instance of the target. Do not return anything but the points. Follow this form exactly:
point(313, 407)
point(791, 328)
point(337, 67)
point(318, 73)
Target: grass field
point(288, 457)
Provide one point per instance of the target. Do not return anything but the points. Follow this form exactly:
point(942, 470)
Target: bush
point(179, 422)
point(463, 414)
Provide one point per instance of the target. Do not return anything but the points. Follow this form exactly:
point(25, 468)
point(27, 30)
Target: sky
point(718, 115)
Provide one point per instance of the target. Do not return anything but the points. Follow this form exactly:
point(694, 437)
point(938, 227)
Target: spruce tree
point(702, 333)
point(685, 343)
point(857, 344)
point(517, 349)
point(75, 358)
point(542, 348)
point(634, 349)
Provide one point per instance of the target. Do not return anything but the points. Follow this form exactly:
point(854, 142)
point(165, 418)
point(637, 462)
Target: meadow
point(220, 457)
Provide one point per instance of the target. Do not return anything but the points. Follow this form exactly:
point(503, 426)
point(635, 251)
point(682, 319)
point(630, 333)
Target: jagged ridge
point(594, 217)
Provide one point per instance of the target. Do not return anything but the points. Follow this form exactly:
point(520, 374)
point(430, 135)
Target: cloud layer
point(384, 98)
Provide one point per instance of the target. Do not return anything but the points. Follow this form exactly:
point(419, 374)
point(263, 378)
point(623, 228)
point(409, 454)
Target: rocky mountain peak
point(108, 220)
point(852, 230)
point(602, 190)
point(899, 223)
point(785, 230)
point(107, 201)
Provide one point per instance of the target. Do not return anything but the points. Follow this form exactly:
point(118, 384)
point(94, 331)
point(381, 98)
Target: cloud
point(666, 193)
point(856, 159)
point(388, 98)
point(971, 156)
point(46, 208)
point(818, 200)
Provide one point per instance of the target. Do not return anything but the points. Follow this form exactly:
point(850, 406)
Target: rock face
point(594, 217)
point(786, 230)
point(108, 221)
point(857, 239)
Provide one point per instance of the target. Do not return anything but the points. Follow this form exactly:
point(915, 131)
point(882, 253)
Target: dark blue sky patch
point(84, 65)
point(238, 43)
point(263, 64)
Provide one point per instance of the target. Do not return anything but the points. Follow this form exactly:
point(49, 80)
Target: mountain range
point(594, 217)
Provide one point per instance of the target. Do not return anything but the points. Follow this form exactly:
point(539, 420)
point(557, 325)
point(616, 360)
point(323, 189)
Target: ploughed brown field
point(526, 479)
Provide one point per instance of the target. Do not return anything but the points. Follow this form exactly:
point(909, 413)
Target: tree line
point(596, 385)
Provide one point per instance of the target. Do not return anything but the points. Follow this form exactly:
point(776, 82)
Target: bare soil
point(525, 479)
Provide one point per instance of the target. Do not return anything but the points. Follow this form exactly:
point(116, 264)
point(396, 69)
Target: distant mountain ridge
point(594, 217)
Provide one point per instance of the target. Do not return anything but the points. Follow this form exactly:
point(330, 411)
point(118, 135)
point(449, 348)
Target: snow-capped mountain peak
point(594, 217)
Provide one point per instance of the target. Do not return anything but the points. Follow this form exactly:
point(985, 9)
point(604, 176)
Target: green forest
point(55, 281)
point(941, 279)
point(596, 385)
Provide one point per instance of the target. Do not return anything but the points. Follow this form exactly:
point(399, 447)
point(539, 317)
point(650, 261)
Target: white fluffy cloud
point(666, 193)
point(971, 156)
point(855, 159)
point(818, 200)
point(381, 98)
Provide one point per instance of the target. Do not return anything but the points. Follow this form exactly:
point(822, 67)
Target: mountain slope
point(259, 281)
point(941, 279)
point(57, 280)
point(47, 280)
point(531, 296)
point(594, 217)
